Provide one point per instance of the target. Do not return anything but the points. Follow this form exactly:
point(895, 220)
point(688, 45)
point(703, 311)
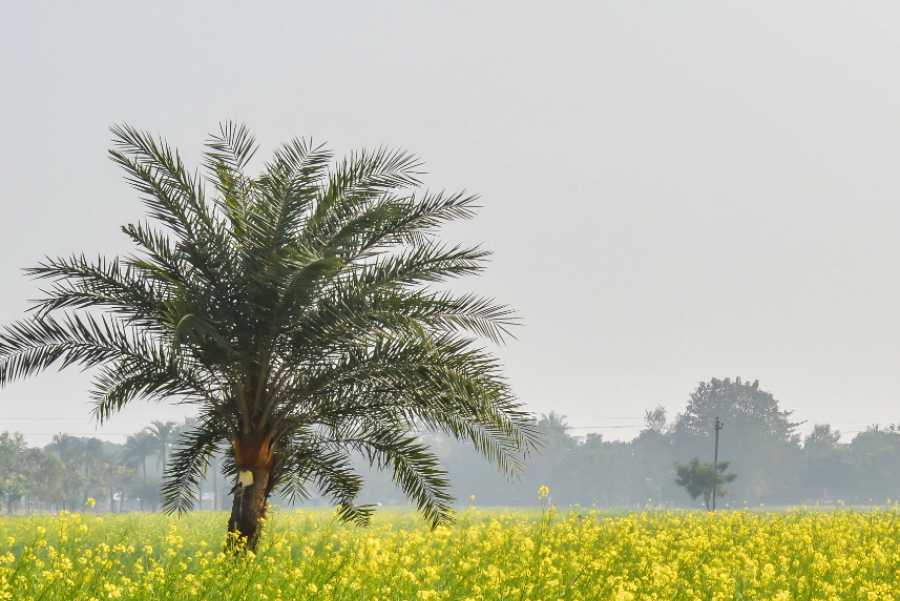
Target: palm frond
point(149, 378)
point(172, 195)
point(79, 283)
point(232, 147)
point(329, 467)
point(187, 466)
point(357, 181)
point(416, 470)
point(288, 190)
point(30, 346)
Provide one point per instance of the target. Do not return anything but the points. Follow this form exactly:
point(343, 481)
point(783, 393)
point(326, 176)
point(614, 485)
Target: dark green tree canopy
point(702, 478)
point(296, 310)
point(744, 406)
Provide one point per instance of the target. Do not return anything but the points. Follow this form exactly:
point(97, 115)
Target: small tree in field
point(294, 310)
point(701, 479)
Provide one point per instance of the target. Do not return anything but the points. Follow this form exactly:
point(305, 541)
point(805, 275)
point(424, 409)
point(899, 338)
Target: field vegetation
point(484, 555)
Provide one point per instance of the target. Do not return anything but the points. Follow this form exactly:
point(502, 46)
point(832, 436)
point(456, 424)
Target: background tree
point(49, 483)
point(121, 477)
point(71, 452)
point(825, 474)
point(96, 463)
point(702, 479)
point(656, 420)
point(13, 469)
point(138, 447)
point(653, 476)
point(759, 437)
point(544, 467)
point(163, 435)
point(296, 311)
point(875, 474)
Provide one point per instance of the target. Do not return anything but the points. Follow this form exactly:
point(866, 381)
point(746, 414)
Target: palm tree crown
point(296, 310)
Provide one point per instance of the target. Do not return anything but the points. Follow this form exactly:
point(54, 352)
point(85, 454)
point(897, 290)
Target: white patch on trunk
point(245, 478)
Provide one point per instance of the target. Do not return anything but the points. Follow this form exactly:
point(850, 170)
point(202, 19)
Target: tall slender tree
point(296, 310)
point(138, 447)
point(163, 434)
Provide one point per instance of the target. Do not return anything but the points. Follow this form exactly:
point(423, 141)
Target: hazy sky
point(673, 190)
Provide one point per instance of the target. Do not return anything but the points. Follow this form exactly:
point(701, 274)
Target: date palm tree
point(163, 434)
point(138, 447)
point(297, 311)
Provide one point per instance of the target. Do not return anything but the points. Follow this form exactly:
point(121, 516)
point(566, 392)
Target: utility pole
point(719, 425)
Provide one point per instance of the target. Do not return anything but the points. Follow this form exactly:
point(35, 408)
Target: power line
point(76, 433)
point(105, 433)
point(639, 423)
point(43, 418)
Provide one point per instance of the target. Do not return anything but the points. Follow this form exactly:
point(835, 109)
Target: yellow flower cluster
point(486, 555)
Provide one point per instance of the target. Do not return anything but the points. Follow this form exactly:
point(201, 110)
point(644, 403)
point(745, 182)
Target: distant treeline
point(73, 472)
point(773, 463)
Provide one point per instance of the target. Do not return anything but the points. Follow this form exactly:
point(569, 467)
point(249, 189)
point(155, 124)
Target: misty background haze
point(673, 191)
point(764, 462)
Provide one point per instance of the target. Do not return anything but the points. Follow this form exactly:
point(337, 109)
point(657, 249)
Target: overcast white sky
point(673, 190)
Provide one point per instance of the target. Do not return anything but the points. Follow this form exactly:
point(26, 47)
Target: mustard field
point(486, 554)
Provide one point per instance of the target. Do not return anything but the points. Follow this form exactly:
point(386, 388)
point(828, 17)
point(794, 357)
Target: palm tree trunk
point(254, 460)
point(249, 507)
